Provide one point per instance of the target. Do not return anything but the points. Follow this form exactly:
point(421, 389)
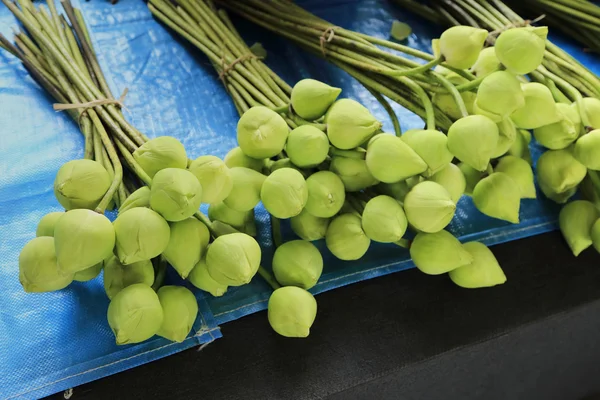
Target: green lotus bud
point(245, 193)
point(453, 180)
point(558, 135)
point(390, 159)
point(487, 63)
point(484, 271)
point(438, 253)
point(539, 110)
point(521, 50)
point(139, 198)
point(520, 147)
point(160, 153)
point(309, 227)
point(472, 177)
point(200, 278)
point(507, 135)
point(397, 190)
point(38, 268)
point(237, 158)
point(307, 146)
point(383, 220)
point(595, 234)
point(349, 124)
point(521, 173)
point(284, 193)
point(118, 276)
point(187, 244)
point(47, 223)
point(81, 184)
point(292, 311)
point(587, 150)
point(558, 171)
point(297, 263)
point(89, 273)
point(83, 238)
point(431, 146)
point(233, 259)
point(175, 194)
point(499, 95)
point(135, 314)
point(473, 140)
point(312, 98)
point(237, 219)
point(142, 234)
point(180, 309)
point(429, 207)
point(576, 220)
point(460, 45)
point(214, 176)
point(353, 172)
point(557, 197)
point(498, 196)
point(261, 132)
point(326, 194)
point(345, 237)
point(591, 109)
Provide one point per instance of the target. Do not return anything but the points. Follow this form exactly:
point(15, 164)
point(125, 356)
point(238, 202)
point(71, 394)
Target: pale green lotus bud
point(187, 243)
point(214, 176)
point(383, 220)
point(591, 109)
point(118, 276)
point(47, 223)
point(38, 268)
point(160, 153)
point(139, 198)
point(460, 45)
point(292, 311)
point(587, 150)
point(284, 193)
point(83, 238)
point(353, 172)
point(233, 259)
point(307, 146)
point(312, 98)
point(431, 146)
point(261, 132)
point(135, 314)
point(142, 234)
point(200, 278)
point(473, 140)
point(345, 237)
point(390, 159)
point(472, 177)
point(245, 193)
point(521, 173)
point(175, 194)
point(326, 194)
point(539, 109)
point(498, 196)
point(297, 263)
point(557, 197)
point(397, 190)
point(309, 227)
point(438, 253)
point(446, 103)
point(558, 135)
point(81, 184)
point(499, 95)
point(595, 234)
point(429, 207)
point(89, 273)
point(487, 63)
point(576, 220)
point(520, 147)
point(484, 271)
point(180, 309)
point(521, 50)
point(453, 180)
point(236, 158)
point(237, 219)
point(349, 124)
point(559, 171)
point(507, 136)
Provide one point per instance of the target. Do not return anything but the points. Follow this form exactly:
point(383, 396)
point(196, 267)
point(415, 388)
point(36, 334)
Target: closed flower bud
point(309, 227)
point(429, 207)
point(292, 311)
point(237, 219)
point(483, 271)
point(261, 132)
point(576, 220)
point(438, 253)
point(200, 278)
point(81, 184)
point(591, 109)
point(498, 196)
point(353, 172)
point(487, 63)
point(118, 276)
point(307, 146)
point(558, 171)
point(507, 135)
point(187, 244)
point(558, 135)
point(587, 150)
point(89, 273)
point(520, 171)
point(180, 309)
point(214, 176)
point(160, 153)
point(521, 50)
point(349, 124)
point(236, 158)
point(346, 239)
point(175, 194)
point(383, 220)
point(499, 95)
point(431, 146)
point(326, 194)
point(38, 268)
point(390, 159)
point(539, 109)
point(312, 98)
point(47, 223)
point(245, 193)
point(142, 234)
point(139, 198)
point(473, 140)
point(284, 193)
point(472, 177)
point(557, 197)
point(460, 45)
point(452, 179)
point(297, 263)
point(397, 190)
point(233, 259)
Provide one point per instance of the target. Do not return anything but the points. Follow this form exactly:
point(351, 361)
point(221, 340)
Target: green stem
point(276, 231)
point(356, 154)
point(386, 106)
point(405, 243)
point(268, 277)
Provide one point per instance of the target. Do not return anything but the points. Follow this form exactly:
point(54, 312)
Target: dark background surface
point(407, 336)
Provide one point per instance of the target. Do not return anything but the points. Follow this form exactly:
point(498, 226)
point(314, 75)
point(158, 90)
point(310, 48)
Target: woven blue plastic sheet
point(51, 342)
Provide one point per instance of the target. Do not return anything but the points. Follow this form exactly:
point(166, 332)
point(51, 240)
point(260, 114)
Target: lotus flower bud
point(139, 198)
point(307, 146)
point(460, 45)
point(473, 140)
point(484, 271)
point(446, 103)
point(557, 197)
point(160, 153)
point(353, 172)
point(261, 132)
point(284, 193)
point(245, 193)
point(81, 184)
point(135, 314)
point(38, 268)
point(587, 150)
point(499, 95)
point(349, 124)
point(558, 135)
point(595, 234)
point(576, 220)
point(487, 63)
point(214, 176)
point(118, 276)
point(142, 234)
point(89, 273)
point(326, 194)
point(521, 50)
point(472, 177)
point(175, 194)
point(47, 223)
point(233, 259)
point(438, 253)
point(309, 227)
point(539, 109)
point(498, 196)
point(237, 158)
point(507, 135)
point(383, 220)
point(431, 146)
point(237, 219)
point(83, 238)
point(187, 243)
point(397, 190)
point(180, 309)
point(591, 109)
point(558, 171)
point(521, 173)
point(453, 180)
point(429, 207)
point(390, 159)
point(292, 311)
point(345, 237)
point(200, 278)
point(297, 263)
point(312, 98)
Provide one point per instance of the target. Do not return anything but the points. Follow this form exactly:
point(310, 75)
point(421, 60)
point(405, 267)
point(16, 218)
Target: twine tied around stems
point(518, 24)
point(229, 67)
point(91, 104)
point(326, 37)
